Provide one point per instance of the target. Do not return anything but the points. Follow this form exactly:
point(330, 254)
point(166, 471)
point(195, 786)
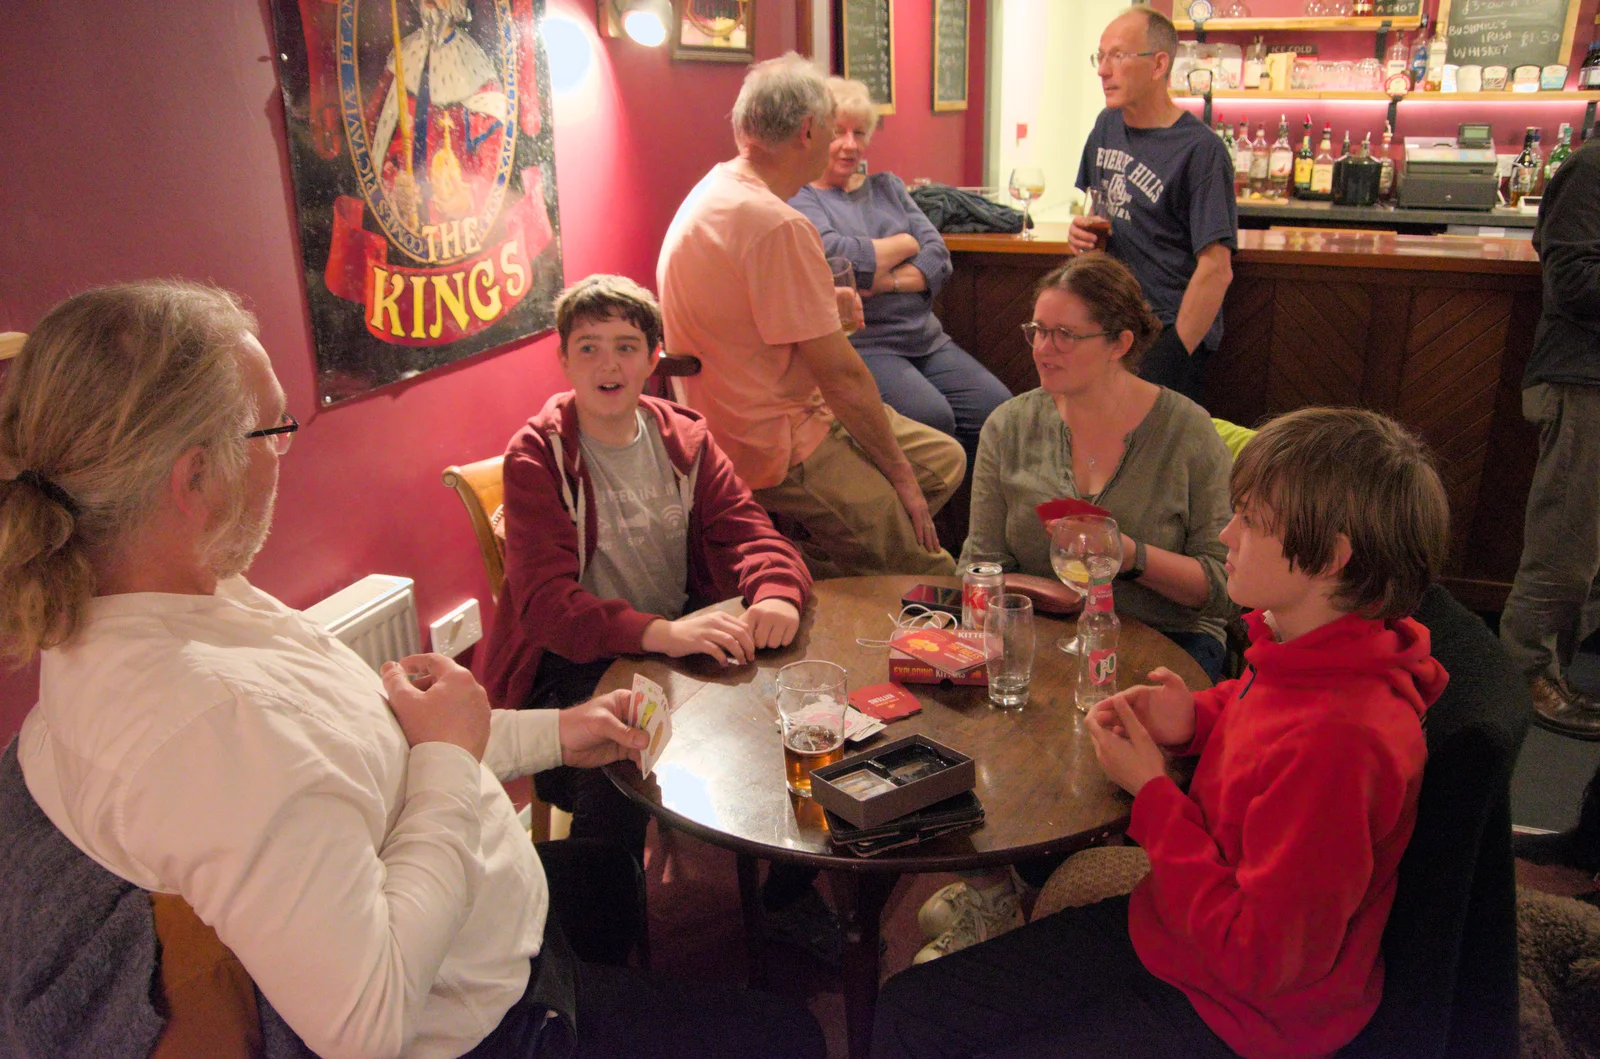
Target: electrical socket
point(456, 631)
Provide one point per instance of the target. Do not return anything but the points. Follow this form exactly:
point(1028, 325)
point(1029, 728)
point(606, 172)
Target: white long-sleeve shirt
point(384, 898)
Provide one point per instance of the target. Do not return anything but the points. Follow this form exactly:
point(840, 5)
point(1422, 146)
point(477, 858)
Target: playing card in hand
point(650, 712)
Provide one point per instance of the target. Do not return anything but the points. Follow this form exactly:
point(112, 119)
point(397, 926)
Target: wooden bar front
point(1433, 330)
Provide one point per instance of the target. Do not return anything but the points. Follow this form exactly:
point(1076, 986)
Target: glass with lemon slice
point(1083, 549)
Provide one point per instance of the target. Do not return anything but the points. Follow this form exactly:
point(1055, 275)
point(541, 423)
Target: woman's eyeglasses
point(1063, 339)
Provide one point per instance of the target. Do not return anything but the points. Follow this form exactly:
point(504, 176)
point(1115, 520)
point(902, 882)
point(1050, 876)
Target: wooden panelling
point(1441, 351)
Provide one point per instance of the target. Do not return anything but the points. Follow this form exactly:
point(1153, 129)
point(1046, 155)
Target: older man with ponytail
point(346, 835)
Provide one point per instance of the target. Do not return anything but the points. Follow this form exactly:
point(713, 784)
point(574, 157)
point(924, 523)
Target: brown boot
point(1559, 708)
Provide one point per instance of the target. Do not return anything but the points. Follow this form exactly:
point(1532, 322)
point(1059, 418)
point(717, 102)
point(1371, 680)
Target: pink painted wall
point(1418, 115)
point(155, 146)
point(915, 141)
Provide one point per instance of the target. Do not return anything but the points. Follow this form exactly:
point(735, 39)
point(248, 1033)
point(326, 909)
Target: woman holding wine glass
point(1095, 431)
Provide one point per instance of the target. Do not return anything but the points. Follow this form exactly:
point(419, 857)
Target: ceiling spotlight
point(645, 21)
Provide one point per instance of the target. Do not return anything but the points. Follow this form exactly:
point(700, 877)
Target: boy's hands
point(1131, 759)
point(594, 734)
point(772, 622)
point(1165, 709)
point(439, 703)
point(710, 632)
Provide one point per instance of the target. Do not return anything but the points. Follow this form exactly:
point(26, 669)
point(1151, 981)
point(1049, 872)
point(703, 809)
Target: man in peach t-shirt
point(745, 286)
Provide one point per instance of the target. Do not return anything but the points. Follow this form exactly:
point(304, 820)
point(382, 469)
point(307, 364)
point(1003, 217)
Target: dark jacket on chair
point(1450, 947)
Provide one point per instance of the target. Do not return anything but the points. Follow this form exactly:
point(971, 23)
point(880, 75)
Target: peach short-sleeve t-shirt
point(743, 277)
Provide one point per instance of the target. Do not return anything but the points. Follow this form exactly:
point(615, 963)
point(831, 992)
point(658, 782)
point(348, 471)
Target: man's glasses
point(1063, 339)
point(1114, 57)
point(282, 435)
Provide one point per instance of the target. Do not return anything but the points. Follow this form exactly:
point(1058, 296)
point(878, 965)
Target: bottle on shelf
point(1260, 162)
point(1340, 164)
point(1243, 151)
point(1558, 153)
point(1362, 175)
point(1386, 174)
point(1525, 170)
point(1589, 75)
point(1303, 161)
point(1438, 51)
point(1255, 64)
point(1397, 60)
point(1280, 162)
point(1419, 54)
point(1322, 167)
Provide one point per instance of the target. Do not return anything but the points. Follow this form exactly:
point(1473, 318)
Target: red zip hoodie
point(1271, 880)
point(733, 548)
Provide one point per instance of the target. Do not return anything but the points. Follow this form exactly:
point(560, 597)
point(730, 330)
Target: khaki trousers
point(846, 517)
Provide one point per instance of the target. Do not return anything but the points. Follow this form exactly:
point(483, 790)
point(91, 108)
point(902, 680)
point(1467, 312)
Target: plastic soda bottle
point(1097, 637)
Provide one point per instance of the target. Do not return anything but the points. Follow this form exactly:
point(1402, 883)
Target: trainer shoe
point(979, 916)
point(1563, 710)
point(808, 924)
point(939, 912)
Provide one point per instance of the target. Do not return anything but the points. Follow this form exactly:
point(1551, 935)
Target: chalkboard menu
point(1509, 33)
point(868, 34)
point(950, 54)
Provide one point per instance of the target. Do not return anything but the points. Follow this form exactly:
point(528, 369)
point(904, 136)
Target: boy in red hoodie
point(621, 516)
point(1257, 930)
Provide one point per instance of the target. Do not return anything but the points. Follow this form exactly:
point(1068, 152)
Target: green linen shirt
point(1170, 491)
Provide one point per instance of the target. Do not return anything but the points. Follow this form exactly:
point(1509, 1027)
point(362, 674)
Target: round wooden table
point(721, 778)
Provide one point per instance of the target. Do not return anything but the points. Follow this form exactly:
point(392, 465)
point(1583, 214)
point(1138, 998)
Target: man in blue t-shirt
point(1167, 183)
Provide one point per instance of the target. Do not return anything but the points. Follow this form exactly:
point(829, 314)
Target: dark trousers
point(616, 1011)
point(1167, 363)
point(947, 390)
point(1067, 985)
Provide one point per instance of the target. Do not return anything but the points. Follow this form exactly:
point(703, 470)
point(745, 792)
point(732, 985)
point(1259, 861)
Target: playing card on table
point(858, 726)
point(650, 712)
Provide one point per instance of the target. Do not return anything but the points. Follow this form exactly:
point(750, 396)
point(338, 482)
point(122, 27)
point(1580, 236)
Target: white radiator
point(376, 617)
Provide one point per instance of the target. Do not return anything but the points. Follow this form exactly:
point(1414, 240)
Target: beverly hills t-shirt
point(1170, 195)
point(642, 552)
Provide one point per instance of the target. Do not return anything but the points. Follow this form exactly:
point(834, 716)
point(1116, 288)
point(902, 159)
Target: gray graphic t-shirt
point(642, 554)
point(1170, 195)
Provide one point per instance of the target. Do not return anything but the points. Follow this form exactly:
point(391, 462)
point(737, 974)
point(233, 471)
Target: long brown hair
point(108, 391)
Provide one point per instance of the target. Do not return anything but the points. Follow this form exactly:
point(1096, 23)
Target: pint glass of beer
point(812, 704)
point(1096, 216)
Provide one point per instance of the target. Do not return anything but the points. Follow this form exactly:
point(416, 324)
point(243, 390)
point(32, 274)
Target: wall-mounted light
point(645, 21)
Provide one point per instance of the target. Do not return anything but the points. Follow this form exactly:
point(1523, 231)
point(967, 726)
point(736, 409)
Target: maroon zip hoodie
point(733, 548)
point(1271, 880)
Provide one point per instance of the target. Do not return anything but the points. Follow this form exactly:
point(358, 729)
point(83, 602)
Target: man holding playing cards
point(622, 516)
point(347, 837)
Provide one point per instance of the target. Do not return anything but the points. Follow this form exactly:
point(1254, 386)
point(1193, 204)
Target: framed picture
point(717, 31)
point(424, 181)
point(950, 54)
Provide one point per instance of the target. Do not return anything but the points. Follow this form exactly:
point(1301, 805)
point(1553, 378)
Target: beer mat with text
point(940, 648)
point(1067, 507)
point(887, 702)
point(648, 710)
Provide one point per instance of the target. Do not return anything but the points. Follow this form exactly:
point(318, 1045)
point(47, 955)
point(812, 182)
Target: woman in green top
point(1096, 431)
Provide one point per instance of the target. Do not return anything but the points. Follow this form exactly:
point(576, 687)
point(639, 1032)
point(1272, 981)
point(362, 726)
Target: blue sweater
point(897, 324)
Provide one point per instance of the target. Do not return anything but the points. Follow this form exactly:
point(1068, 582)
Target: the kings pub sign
point(419, 132)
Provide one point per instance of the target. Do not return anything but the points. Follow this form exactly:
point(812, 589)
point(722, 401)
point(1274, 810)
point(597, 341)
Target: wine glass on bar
point(1027, 185)
point(1084, 548)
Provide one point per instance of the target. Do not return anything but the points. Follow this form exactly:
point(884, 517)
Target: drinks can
point(979, 583)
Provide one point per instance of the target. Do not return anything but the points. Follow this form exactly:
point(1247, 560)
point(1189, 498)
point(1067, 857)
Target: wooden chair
point(482, 489)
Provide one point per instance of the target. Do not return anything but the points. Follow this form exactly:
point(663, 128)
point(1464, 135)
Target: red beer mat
point(886, 702)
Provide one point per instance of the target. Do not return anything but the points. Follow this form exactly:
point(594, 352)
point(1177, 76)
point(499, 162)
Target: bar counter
point(1433, 330)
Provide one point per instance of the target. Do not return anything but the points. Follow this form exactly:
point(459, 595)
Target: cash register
point(1458, 174)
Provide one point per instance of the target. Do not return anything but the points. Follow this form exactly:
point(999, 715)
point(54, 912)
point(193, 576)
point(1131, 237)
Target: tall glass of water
point(1008, 637)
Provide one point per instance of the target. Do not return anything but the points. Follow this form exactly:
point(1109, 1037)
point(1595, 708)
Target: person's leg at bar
point(971, 390)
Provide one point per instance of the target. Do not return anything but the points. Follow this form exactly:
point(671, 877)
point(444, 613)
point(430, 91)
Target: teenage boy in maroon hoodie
point(1257, 930)
point(622, 516)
